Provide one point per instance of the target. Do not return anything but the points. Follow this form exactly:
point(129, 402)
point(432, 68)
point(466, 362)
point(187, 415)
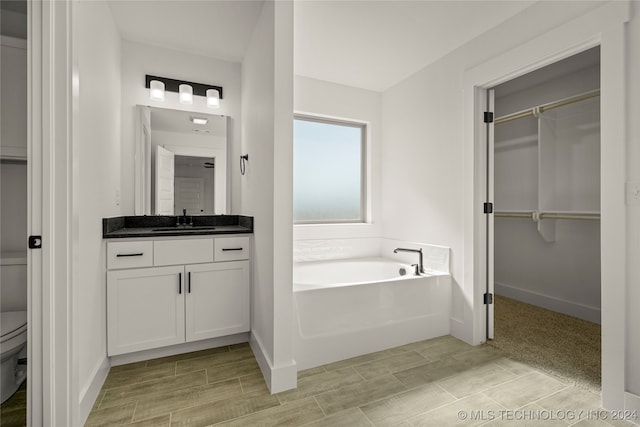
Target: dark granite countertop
point(160, 226)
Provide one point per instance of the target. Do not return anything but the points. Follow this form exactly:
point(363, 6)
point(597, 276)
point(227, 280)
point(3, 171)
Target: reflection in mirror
point(194, 185)
point(181, 162)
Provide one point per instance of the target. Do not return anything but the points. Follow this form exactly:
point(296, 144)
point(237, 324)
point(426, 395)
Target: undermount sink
point(185, 228)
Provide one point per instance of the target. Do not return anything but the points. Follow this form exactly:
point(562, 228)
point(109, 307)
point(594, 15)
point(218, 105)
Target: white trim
point(52, 197)
point(632, 404)
point(278, 378)
point(35, 374)
point(613, 224)
point(604, 26)
point(138, 356)
point(90, 392)
point(570, 308)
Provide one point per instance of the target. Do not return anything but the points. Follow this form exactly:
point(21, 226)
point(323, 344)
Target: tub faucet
point(420, 265)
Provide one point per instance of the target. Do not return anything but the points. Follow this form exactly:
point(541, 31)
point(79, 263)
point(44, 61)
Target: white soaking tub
point(345, 308)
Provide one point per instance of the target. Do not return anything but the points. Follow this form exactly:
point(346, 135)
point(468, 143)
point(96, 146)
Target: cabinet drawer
point(231, 248)
point(129, 255)
point(174, 252)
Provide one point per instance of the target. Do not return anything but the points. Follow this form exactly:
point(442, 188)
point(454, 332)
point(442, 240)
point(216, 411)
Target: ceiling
point(372, 44)
point(221, 29)
point(376, 44)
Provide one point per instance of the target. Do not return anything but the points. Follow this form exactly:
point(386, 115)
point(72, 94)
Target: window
point(328, 171)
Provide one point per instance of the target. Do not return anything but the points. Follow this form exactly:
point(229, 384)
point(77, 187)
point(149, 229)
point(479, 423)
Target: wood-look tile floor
point(438, 382)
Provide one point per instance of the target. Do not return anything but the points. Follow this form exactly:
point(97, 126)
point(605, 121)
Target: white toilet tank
point(13, 281)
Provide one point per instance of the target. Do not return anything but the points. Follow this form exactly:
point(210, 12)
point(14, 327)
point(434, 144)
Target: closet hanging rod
point(548, 215)
point(549, 106)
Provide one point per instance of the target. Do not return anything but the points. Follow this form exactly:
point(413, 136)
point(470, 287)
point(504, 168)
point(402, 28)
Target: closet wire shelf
point(537, 216)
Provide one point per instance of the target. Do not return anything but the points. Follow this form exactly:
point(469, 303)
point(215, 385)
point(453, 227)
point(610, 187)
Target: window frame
point(364, 185)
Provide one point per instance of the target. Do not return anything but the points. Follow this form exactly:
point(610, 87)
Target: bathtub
point(345, 308)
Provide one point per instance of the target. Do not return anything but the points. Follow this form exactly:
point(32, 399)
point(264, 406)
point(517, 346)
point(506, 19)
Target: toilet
point(13, 322)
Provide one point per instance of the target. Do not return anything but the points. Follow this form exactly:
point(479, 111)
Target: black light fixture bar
point(173, 85)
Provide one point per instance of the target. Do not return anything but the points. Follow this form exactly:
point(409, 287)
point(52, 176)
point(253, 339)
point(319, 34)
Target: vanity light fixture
point(213, 98)
point(199, 121)
point(158, 85)
point(156, 90)
point(186, 94)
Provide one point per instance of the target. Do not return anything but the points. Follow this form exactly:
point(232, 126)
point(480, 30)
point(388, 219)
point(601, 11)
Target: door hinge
point(488, 298)
point(488, 117)
point(35, 242)
point(487, 207)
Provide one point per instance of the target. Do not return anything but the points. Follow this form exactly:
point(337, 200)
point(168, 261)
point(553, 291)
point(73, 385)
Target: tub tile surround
point(144, 225)
point(436, 258)
point(426, 383)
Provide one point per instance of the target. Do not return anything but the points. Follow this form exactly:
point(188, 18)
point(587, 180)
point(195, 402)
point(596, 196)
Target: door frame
point(605, 27)
point(52, 183)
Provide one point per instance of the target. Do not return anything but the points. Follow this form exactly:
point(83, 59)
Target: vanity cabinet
point(158, 305)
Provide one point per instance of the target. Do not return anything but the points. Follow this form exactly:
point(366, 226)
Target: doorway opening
point(13, 215)
point(543, 237)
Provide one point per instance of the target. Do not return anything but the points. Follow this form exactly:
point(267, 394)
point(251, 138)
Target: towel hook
point(243, 165)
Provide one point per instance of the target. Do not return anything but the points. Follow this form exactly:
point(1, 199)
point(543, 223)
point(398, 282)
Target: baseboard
point(584, 312)
point(123, 359)
point(279, 378)
point(632, 408)
point(91, 391)
point(459, 330)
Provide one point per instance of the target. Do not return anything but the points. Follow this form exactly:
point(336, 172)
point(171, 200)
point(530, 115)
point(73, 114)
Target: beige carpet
point(561, 345)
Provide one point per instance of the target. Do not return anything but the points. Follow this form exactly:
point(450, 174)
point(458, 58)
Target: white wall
point(13, 142)
point(266, 189)
point(139, 60)
point(13, 207)
point(423, 121)
point(317, 97)
point(13, 24)
point(99, 135)
point(563, 275)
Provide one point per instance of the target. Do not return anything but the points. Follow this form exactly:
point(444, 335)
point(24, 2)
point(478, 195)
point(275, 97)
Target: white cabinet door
point(218, 300)
point(145, 308)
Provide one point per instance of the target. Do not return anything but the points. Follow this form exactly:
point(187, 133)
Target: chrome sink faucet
point(420, 266)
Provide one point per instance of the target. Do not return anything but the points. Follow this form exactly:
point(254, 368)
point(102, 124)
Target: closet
point(547, 187)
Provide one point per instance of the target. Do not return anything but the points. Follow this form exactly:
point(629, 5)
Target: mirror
point(180, 162)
